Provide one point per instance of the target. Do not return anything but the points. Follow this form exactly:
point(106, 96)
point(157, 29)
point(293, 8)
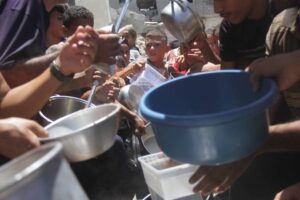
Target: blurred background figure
point(55, 32)
point(129, 33)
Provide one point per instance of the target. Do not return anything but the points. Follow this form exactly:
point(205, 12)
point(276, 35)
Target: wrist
point(56, 71)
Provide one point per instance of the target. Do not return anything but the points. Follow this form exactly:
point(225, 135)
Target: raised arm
point(27, 99)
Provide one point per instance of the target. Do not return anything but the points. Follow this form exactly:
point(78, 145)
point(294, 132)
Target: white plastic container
point(167, 179)
point(149, 78)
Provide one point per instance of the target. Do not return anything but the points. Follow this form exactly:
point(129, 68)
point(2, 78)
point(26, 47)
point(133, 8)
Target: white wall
point(100, 9)
point(105, 15)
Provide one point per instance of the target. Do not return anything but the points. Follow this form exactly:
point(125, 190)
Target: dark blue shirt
point(23, 26)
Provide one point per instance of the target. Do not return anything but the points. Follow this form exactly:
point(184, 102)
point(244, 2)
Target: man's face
point(233, 10)
point(155, 48)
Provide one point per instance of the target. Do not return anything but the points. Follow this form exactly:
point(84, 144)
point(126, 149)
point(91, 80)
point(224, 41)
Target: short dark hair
point(61, 8)
point(156, 32)
point(75, 12)
point(130, 29)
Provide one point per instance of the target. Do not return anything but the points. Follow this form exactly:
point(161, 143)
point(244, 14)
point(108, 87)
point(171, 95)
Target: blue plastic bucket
point(209, 118)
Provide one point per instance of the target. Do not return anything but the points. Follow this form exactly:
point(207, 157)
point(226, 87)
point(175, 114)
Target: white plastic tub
point(167, 178)
point(149, 78)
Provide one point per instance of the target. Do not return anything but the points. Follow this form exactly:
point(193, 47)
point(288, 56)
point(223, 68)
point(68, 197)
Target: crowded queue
point(259, 36)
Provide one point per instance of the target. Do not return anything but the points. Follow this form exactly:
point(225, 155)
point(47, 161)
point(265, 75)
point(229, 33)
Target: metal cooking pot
point(41, 173)
point(149, 141)
point(181, 21)
point(131, 95)
point(60, 106)
point(87, 133)
point(33, 171)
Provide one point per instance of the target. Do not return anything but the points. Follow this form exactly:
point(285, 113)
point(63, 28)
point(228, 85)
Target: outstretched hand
point(18, 136)
point(79, 51)
point(283, 68)
point(219, 178)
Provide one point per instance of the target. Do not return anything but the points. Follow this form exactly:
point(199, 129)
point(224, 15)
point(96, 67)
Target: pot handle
point(180, 3)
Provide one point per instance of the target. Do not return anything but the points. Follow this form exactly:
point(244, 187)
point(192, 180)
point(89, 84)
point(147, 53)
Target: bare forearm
point(125, 111)
point(283, 137)
point(24, 71)
point(26, 100)
point(208, 54)
point(70, 85)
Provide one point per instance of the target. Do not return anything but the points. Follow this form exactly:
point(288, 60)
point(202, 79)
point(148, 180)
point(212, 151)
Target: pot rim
point(55, 97)
point(78, 131)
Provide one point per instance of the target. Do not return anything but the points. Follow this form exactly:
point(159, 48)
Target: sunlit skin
point(155, 48)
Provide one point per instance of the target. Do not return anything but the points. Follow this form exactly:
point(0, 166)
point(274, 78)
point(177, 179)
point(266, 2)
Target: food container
point(59, 106)
point(40, 174)
point(165, 178)
point(87, 133)
point(149, 78)
point(209, 118)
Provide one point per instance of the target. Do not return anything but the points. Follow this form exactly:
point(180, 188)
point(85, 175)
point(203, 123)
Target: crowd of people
point(48, 47)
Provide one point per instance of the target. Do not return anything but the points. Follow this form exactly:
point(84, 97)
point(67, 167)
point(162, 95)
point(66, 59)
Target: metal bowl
point(60, 106)
point(212, 118)
point(85, 133)
point(32, 175)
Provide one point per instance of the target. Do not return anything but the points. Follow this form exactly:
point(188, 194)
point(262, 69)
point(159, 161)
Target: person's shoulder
point(23, 4)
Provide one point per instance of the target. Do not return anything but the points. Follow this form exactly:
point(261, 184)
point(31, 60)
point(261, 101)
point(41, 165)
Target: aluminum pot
point(131, 95)
point(212, 118)
point(181, 21)
point(32, 175)
point(149, 141)
point(87, 133)
point(59, 106)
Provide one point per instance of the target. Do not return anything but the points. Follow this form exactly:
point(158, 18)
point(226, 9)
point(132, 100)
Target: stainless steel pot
point(32, 175)
point(131, 95)
point(60, 106)
point(181, 21)
point(149, 141)
point(40, 174)
point(85, 133)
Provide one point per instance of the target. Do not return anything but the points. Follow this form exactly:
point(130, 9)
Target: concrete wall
point(100, 9)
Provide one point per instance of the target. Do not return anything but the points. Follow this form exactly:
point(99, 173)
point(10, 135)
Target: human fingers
point(37, 129)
